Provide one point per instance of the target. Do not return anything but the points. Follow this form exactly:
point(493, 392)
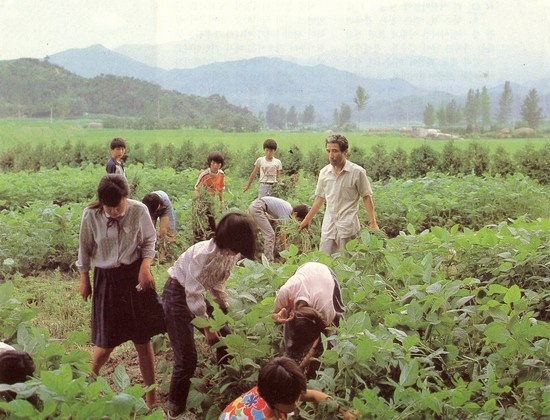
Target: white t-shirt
point(268, 169)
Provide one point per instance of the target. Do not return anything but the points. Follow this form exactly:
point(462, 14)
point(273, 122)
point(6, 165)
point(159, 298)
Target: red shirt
point(214, 183)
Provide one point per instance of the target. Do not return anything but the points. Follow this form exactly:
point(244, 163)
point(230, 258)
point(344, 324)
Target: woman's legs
point(99, 358)
point(146, 358)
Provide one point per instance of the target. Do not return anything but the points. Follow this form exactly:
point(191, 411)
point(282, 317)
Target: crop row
point(381, 164)
point(40, 216)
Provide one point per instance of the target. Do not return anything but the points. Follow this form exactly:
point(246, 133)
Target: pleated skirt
point(119, 312)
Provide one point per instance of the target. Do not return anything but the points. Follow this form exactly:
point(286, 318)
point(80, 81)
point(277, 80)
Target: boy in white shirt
point(269, 168)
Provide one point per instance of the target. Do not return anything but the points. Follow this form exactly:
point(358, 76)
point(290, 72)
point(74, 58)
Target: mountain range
point(259, 81)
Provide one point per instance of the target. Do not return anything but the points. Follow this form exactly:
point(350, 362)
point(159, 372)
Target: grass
point(13, 132)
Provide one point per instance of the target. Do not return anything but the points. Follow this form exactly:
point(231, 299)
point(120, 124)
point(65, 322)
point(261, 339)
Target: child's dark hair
point(340, 140)
point(15, 366)
point(301, 211)
point(112, 188)
point(152, 201)
point(270, 144)
point(215, 156)
point(281, 381)
point(237, 231)
point(117, 142)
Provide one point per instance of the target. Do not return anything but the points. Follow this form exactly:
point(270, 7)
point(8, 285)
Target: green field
point(13, 132)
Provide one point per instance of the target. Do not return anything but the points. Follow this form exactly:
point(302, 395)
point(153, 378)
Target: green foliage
point(34, 88)
point(61, 386)
point(422, 160)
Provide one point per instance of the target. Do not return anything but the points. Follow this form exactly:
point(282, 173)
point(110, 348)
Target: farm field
point(447, 306)
point(13, 133)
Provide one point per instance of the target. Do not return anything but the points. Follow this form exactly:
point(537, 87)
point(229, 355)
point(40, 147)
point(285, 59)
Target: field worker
point(118, 238)
point(160, 208)
point(212, 181)
point(341, 184)
point(281, 385)
point(203, 267)
point(269, 168)
point(308, 303)
point(115, 165)
point(268, 211)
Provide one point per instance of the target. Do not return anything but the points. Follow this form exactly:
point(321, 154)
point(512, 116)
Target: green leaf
point(121, 378)
point(497, 333)
point(409, 373)
point(513, 294)
point(410, 341)
point(200, 322)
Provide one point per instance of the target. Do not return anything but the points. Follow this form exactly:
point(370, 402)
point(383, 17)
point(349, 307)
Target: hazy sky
point(441, 28)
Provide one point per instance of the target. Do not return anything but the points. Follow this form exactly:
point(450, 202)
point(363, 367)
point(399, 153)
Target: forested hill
point(35, 88)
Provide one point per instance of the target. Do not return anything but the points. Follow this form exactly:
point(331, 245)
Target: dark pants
point(182, 340)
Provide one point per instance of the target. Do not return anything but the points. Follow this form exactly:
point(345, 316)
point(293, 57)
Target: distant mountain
point(253, 83)
point(96, 60)
point(258, 82)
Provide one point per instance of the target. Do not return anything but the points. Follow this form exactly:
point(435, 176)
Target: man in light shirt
point(341, 184)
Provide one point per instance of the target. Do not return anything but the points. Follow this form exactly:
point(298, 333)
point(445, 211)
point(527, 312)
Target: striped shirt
point(214, 182)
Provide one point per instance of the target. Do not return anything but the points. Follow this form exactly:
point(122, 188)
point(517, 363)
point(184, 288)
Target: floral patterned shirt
point(250, 406)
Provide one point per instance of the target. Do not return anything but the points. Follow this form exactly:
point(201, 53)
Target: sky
point(436, 28)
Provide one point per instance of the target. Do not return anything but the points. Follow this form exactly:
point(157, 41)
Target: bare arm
point(369, 207)
point(317, 396)
point(317, 204)
point(145, 277)
point(251, 178)
point(85, 289)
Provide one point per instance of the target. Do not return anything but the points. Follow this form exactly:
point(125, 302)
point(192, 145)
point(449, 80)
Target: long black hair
point(237, 231)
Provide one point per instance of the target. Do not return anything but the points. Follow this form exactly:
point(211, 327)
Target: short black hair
point(270, 144)
point(340, 140)
point(112, 188)
point(215, 156)
point(152, 201)
point(237, 231)
point(281, 381)
point(15, 366)
point(117, 142)
point(301, 211)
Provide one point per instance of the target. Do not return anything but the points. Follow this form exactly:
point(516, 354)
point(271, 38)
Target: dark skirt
point(121, 313)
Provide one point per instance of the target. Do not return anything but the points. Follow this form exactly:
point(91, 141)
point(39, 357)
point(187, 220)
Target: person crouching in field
point(117, 238)
point(160, 208)
point(212, 182)
point(281, 386)
point(205, 266)
point(308, 303)
point(15, 367)
point(268, 212)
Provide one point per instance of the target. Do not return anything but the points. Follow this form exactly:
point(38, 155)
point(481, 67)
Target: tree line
point(476, 112)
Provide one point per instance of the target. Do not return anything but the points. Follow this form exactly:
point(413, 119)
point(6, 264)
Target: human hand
point(304, 224)
point(211, 337)
point(245, 189)
point(350, 414)
point(374, 226)
point(282, 316)
point(85, 288)
point(145, 279)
